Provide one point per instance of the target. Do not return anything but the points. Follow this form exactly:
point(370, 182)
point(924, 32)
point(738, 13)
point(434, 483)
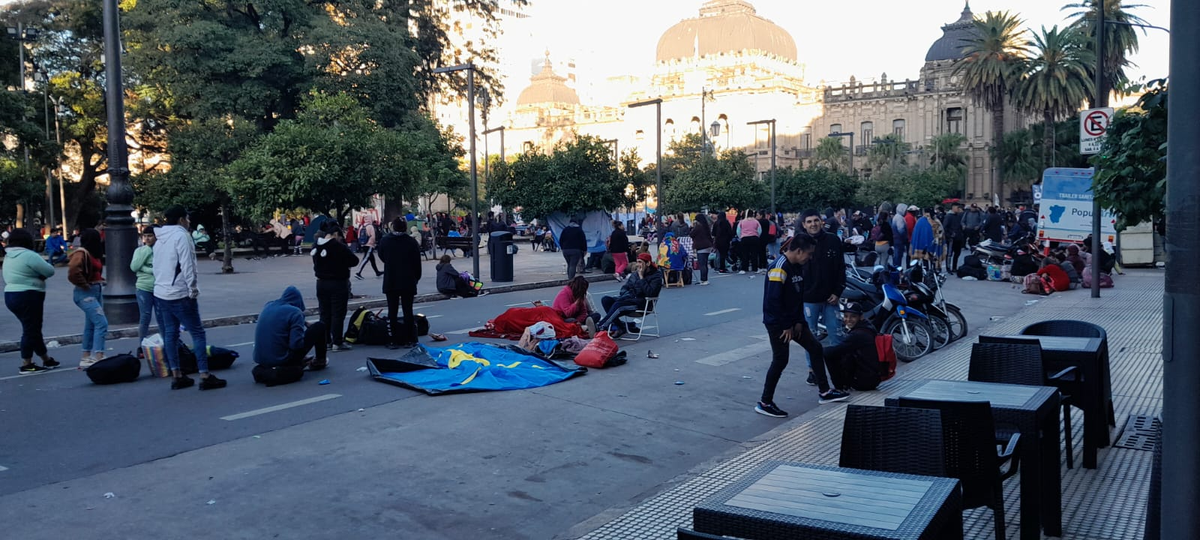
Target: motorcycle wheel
point(942, 335)
point(958, 323)
point(911, 338)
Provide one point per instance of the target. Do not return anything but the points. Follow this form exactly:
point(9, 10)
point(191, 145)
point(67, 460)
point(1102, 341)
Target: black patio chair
point(974, 454)
point(893, 439)
point(1019, 361)
point(688, 534)
point(1082, 329)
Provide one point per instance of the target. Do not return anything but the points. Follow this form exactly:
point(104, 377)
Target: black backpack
point(218, 359)
point(277, 375)
point(121, 368)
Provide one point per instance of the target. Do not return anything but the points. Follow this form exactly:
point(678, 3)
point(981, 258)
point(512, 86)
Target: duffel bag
point(354, 326)
point(221, 358)
point(121, 368)
point(277, 375)
point(601, 352)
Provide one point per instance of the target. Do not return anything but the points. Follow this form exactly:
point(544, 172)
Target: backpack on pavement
point(121, 368)
point(887, 357)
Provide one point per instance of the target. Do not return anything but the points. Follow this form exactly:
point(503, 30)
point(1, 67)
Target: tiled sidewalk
point(1105, 503)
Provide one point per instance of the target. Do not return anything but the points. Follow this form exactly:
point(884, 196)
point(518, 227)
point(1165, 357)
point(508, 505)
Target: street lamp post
point(120, 237)
point(21, 35)
point(62, 193)
point(705, 95)
point(658, 192)
point(771, 123)
point(470, 69)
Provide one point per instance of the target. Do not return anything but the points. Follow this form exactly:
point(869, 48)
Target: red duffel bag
point(600, 353)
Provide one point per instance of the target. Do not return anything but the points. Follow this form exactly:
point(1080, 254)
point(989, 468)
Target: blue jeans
point(901, 249)
point(186, 312)
point(824, 312)
point(145, 300)
point(773, 250)
point(95, 324)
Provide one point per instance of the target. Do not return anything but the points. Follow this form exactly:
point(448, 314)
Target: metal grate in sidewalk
point(1140, 433)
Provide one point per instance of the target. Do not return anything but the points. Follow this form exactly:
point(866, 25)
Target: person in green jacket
point(142, 266)
point(25, 275)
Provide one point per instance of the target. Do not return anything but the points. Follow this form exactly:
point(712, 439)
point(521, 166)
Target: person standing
point(702, 242)
point(824, 280)
point(765, 239)
point(25, 275)
point(332, 261)
point(955, 235)
point(618, 246)
point(972, 220)
point(748, 232)
point(142, 266)
point(574, 244)
point(899, 235)
point(722, 233)
point(783, 317)
point(993, 226)
point(85, 272)
point(401, 256)
point(176, 289)
point(371, 231)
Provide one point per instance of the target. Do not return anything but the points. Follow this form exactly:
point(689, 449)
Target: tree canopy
point(1131, 173)
point(818, 187)
point(577, 175)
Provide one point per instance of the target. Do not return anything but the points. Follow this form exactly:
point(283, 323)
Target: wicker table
point(1061, 352)
point(1034, 410)
point(782, 500)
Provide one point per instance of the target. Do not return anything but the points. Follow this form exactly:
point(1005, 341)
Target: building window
point(835, 128)
point(898, 128)
point(868, 132)
point(669, 129)
point(954, 120)
point(527, 146)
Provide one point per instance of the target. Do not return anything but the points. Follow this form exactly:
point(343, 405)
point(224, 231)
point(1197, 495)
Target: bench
point(451, 243)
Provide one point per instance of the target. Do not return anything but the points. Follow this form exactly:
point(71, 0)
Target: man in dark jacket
point(332, 261)
point(765, 239)
point(646, 281)
point(401, 256)
point(282, 338)
point(722, 233)
point(855, 361)
point(574, 244)
point(955, 234)
point(824, 278)
point(972, 221)
point(783, 315)
point(993, 226)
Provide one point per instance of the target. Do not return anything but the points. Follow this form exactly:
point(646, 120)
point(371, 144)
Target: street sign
point(1065, 212)
point(1093, 124)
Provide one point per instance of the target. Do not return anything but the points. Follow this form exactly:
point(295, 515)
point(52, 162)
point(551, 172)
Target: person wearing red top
point(85, 271)
point(1059, 279)
point(572, 304)
point(910, 220)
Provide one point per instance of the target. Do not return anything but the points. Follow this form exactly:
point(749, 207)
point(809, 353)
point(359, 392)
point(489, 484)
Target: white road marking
point(723, 311)
point(433, 316)
point(519, 304)
point(3, 468)
point(734, 355)
point(608, 292)
point(63, 369)
point(240, 344)
point(281, 407)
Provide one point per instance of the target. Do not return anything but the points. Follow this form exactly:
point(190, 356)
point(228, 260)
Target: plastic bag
point(156, 359)
point(542, 330)
point(599, 353)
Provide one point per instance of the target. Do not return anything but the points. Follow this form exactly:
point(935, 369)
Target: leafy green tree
point(727, 181)
point(637, 180)
point(830, 152)
point(577, 175)
point(888, 151)
point(911, 185)
point(1131, 173)
point(818, 187)
point(995, 59)
point(1056, 82)
point(1120, 41)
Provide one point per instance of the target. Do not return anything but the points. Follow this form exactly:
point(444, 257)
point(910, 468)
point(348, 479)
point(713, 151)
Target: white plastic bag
point(542, 330)
point(153, 340)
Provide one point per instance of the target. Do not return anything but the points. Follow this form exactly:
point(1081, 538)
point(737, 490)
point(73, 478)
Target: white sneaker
point(741, 272)
point(87, 362)
point(704, 283)
point(591, 327)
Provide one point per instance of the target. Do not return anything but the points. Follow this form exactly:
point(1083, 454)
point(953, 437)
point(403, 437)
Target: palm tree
point(1120, 40)
point(1057, 82)
point(888, 151)
point(992, 67)
point(830, 152)
point(947, 152)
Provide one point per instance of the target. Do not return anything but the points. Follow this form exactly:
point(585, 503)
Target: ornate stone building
point(749, 69)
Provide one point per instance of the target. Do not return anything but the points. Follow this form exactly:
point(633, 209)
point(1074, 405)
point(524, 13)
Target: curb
point(233, 320)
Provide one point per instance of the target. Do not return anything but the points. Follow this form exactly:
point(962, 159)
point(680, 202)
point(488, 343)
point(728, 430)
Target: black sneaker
point(211, 382)
point(29, 369)
point(358, 276)
point(769, 409)
point(182, 382)
point(833, 396)
point(812, 379)
point(51, 363)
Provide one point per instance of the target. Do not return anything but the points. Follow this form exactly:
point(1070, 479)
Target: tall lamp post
point(470, 69)
point(771, 123)
point(120, 237)
point(23, 35)
point(705, 95)
point(851, 135)
point(658, 192)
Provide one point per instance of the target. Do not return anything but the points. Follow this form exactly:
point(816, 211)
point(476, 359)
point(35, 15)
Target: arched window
point(868, 132)
point(835, 128)
point(669, 129)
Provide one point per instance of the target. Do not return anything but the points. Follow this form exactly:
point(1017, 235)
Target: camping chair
point(893, 439)
point(974, 454)
point(650, 309)
point(1019, 361)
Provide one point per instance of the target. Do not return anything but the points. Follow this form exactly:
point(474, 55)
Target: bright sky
point(835, 39)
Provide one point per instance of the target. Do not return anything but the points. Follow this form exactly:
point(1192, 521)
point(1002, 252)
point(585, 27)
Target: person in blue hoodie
point(282, 338)
point(56, 247)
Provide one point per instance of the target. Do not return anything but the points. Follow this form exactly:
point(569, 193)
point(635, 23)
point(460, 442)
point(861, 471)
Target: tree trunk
point(997, 144)
point(87, 179)
point(20, 215)
point(1047, 140)
point(227, 264)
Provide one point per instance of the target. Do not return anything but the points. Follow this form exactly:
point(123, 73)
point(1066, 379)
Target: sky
point(835, 39)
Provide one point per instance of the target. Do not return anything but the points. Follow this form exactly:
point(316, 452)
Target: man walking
point(175, 293)
point(332, 261)
point(401, 256)
point(574, 244)
point(824, 280)
point(372, 233)
point(955, 235)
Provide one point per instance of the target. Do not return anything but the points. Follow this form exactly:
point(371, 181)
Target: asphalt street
point(360, 459)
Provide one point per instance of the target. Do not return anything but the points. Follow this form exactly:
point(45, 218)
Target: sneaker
point(812, 379)
point(28, 369)
point(741, 272)
point(342, 347)
point(211, 382)
point(617, 276)
point(50, 363)
point(769, 409)
point(704, 283)
point(484, 293)
point(833, 396)
point(87, 362)
point(358, 277)
point(180, 383)
point(590, 324)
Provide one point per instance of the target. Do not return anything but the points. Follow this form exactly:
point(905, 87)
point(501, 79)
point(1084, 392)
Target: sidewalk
point(1106, 503)
point(239, 297)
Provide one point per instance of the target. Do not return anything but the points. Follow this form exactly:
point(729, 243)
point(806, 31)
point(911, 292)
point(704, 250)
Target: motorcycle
point(925, 294)
point(912, 335)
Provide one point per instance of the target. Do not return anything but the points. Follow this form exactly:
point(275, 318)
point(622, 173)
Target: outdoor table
point(1085, 354)
point(1034, 410)
point(780, 500)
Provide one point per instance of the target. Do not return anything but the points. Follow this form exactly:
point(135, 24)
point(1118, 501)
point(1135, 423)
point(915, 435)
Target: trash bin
point(501, 250)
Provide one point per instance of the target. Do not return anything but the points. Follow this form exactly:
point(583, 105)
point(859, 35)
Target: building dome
point(954, 37)
point(547, 87)
point(725, 26)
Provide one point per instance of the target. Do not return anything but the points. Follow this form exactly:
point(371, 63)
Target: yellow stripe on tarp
point(471, 378)
point(510, 366)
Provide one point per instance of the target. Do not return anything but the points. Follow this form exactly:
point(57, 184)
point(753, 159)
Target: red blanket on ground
point(512, 323)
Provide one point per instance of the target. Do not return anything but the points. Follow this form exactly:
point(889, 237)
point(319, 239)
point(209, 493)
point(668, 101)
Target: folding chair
point(650, 309)
point(674, 278)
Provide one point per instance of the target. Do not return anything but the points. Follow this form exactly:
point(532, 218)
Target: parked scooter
point(912, 336)
point(924, 293)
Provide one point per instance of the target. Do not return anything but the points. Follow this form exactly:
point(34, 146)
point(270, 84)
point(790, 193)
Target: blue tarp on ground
point(469, 367)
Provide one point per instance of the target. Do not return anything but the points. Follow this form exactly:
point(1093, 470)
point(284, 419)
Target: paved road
point(363, 459)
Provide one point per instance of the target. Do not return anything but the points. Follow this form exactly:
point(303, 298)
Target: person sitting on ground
point(645, 282)
point(572, 304)
point(1059, 279)
point(674, 256)
point(451, 283)
point(282, 338)
point(855, 359)
point(56, 247)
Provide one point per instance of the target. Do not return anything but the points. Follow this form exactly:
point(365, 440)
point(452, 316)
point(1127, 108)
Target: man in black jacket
point(993, 226)
point(824, 277)
point(722, 233)
point(646, 281)
point(401, 256)
point(854, 360)
point(332, 261)
point(574, 244)
point(955, 234)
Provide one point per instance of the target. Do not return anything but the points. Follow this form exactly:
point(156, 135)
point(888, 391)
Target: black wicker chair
point(1019, 361)
point(688, 534)
point(973, 454)
point(1066, 328)
point(893, 439)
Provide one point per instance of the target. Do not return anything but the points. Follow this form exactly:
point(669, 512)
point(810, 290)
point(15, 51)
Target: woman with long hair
point(702, 242)
point(25, 275)
point(572, 304)
point(85, 272)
